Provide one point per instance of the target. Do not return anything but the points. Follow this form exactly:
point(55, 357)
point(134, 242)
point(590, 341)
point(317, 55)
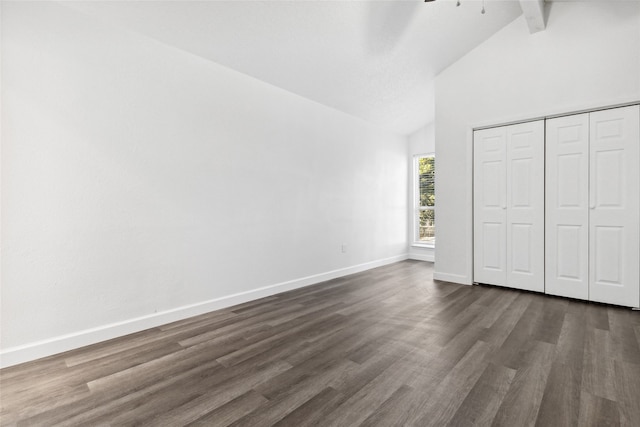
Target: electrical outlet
point(344, 248)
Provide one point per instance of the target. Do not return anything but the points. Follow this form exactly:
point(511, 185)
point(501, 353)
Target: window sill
point(423, 245)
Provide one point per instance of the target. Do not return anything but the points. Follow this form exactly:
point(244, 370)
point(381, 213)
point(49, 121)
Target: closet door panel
point(525, 206)
point(614, 245)
point(567, 207)
point(489, 229)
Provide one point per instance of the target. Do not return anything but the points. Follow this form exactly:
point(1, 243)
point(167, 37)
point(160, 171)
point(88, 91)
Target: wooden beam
point(534, 13)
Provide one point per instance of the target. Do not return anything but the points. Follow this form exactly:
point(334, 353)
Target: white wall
point(421, 141)
point(143, 184)
point(588, 56)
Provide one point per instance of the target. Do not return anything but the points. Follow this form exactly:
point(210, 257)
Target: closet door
point(490, 206)
point(525, 206)
point(567, 207)
point(613, 215)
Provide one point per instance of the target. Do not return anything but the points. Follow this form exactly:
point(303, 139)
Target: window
point(425, 200)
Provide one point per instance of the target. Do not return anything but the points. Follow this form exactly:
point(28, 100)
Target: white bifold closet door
point(567, 207)
point(593, 189)
point(509, 206)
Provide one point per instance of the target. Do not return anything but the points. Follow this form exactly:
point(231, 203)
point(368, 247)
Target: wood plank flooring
point(387, 347)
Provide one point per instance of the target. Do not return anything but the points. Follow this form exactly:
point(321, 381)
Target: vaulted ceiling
point(375, 60)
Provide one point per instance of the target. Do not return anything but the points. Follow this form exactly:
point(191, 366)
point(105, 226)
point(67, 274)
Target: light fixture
point(458, 5)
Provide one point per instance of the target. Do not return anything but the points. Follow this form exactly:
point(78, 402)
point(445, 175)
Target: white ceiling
point(375, 60)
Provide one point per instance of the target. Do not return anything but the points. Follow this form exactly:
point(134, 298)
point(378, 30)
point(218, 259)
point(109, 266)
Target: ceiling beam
point(534, 14)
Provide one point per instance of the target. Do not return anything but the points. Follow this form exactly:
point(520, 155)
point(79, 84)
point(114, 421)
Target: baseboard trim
point(453, 278)
point(422, 257)
point(28, 352)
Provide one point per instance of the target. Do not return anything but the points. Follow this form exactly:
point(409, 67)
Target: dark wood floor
point(386, 347)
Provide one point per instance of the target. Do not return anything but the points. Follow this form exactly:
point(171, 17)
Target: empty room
point(320, 213)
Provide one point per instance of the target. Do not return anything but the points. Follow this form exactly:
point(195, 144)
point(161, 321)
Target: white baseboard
point(25, 353)
point(453, 278)
point(422, 257)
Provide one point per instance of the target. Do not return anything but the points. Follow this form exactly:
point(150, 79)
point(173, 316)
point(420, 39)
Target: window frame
point(416, 201)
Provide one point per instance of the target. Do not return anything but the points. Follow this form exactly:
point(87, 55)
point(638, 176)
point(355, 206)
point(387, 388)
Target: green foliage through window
point(427, 169)
point(426, 199)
